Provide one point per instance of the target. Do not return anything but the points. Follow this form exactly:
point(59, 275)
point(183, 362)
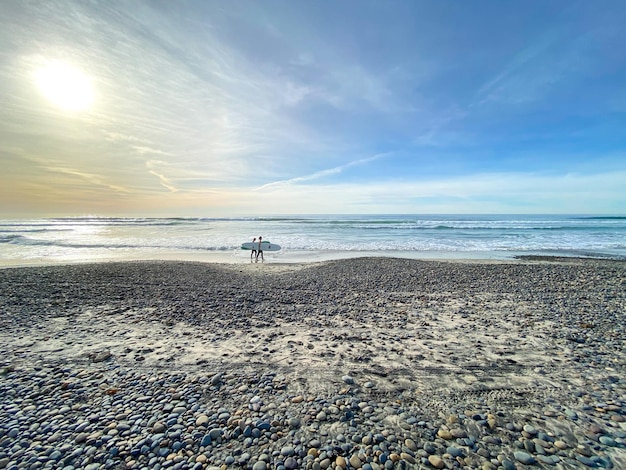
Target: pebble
point(524, 458)
point(607, 441)
point(436, 461)
point(85, 414)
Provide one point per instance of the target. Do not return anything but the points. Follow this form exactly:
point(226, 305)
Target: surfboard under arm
point(265, 246)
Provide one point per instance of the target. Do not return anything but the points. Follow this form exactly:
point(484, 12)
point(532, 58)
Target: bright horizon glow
point(65, 86)
point(148, 109)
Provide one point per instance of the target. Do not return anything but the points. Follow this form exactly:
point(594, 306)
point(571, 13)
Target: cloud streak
point(320, 174)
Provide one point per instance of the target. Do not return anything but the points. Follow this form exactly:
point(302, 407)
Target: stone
point(202, 420)
point(608, 441)
point(458, 433)
point(215, 433)
point(560, 445)
point(548, 459)
point(508, 465)
point(355, 461)
point(436, 461)
point(454, 451)
point(410, 444)
point(524, 457)
point(158, 427)
point(290, 463)
point(530, 429)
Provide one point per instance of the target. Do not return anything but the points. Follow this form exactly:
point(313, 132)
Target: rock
point(454, 451)
point(202, 420)
point(355, 461)
point(508, 465)
point(524, 457)
point(287, 451)
point(608, 441)
point(348, 379)
point(444, 434)
point(530, 429)
point(548, 459)
point(586, 461)
point(315, 443)
point(410, 444)
point(215, 433)
point(560, 445)
point(158, 427)
point(436, 461)
point(458, 433)
point(100, 356)
point(430, 448)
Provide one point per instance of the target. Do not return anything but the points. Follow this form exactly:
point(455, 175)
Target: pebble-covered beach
point(370, 363)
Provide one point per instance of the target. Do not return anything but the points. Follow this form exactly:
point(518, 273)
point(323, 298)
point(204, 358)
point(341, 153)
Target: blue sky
point(204, 108)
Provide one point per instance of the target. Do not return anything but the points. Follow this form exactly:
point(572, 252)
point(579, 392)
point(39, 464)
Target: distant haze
point(203, 108)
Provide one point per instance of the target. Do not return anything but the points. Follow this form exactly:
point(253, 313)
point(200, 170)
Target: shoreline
point(239, 257)
point(332, 364)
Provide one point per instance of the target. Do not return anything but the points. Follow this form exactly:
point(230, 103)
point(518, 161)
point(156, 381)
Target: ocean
point(310, 238)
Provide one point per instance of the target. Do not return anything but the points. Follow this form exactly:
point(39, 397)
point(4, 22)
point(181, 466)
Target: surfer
point(260, 251)
point(253, 250)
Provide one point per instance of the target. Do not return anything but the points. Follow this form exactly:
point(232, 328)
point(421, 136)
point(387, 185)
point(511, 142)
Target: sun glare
point(65, 86)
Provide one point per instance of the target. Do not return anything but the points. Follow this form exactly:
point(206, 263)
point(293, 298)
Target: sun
point(65, 86)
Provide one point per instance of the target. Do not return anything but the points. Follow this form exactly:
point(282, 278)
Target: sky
point(219, 108)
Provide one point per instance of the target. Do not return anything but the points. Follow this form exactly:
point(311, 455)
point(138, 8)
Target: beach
point(364, 363)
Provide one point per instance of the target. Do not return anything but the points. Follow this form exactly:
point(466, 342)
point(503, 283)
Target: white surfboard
point(265, 246)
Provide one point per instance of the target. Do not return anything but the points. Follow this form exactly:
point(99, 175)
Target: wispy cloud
point(165, 182)
point(321, 174)
point(91, 178)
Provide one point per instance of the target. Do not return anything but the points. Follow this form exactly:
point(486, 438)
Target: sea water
point(304, 238)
